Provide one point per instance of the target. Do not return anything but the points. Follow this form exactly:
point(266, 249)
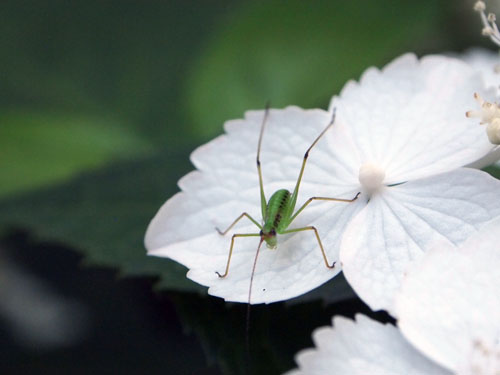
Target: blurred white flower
point(448, 308)
point(490, 28)
point(449, 304)
point(35, 314)
point(400, 136)
point(487, 62)
point(362, 347)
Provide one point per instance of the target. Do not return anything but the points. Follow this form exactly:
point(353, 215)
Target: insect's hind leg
point(238, 219)
point(231, 250)
point(319, 242)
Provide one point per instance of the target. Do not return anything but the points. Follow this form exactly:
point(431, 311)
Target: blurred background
point(101, 103)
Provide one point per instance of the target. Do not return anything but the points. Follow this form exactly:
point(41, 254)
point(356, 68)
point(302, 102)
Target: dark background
point(101, 103)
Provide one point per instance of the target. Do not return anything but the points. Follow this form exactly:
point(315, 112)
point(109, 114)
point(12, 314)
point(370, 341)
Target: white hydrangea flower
point(409, 122)
point(449, 305)
point(362, 347)
point(226, 184)
point(400, 134)
point(448, 308)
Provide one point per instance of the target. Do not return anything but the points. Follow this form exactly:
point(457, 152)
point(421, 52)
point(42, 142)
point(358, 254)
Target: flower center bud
point(493, 131)
point(371, 177)
point(487, 111)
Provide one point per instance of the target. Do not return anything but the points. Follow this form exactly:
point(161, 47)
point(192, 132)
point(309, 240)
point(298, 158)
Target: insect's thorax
point(277, 215)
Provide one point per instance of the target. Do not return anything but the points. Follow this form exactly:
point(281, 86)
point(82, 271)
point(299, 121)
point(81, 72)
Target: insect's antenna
point(253, 271)
point(264, 120)
point(250, 296)
point(259, 170)
point(306, 155)
point(332, 121)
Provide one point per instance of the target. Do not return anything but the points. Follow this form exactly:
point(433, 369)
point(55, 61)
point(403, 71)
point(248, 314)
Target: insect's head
point(270, 238)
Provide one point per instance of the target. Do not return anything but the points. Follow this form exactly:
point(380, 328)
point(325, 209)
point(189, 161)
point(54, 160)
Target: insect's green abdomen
point(277, 209)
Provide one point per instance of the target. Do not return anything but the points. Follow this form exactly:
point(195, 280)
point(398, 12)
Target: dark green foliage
point(301, 53)
point(105, 214)
point(39, 149)
point(493, 170)
point(277, 331)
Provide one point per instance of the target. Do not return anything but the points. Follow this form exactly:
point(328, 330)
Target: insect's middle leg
point(330, 266)
point(231, 250)
point(238, 219)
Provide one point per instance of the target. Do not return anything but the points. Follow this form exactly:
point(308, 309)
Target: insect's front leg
point(231, 251)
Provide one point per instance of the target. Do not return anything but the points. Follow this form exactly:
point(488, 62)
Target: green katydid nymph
point(279, 212)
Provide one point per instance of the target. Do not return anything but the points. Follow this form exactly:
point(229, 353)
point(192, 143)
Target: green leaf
point(42, 148)
point(493, 170)
point(120, 58)
point(298, 52)
point(105, 215)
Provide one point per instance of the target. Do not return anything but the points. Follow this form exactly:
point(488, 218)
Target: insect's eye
point(272, 233)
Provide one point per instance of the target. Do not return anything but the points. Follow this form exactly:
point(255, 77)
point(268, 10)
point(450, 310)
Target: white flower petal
point(485, 61)
point(362, 347)
point(410, 119)
point(227, 185)
point(449, 304)
point(296, 267)
point(488, 159)
point(402, 222)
